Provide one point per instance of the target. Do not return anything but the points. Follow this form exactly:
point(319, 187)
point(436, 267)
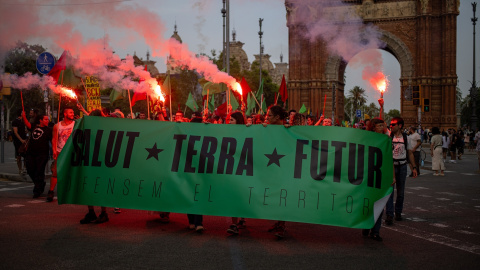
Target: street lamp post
point(260, 34)
point(224, 14)
point(473, 89)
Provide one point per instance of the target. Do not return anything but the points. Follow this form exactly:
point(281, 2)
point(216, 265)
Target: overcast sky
point(200, 27)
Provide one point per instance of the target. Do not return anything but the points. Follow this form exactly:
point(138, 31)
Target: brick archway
point(420, 34)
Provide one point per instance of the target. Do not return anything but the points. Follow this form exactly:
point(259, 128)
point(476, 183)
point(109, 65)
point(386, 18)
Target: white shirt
point(413, 140)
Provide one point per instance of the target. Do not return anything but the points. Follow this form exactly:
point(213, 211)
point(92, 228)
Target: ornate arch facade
point(420, 34)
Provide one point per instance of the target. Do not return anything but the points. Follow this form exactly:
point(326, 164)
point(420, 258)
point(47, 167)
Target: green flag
point(233, 101)
point(114, 95)
point(191, 103)
point(312, 174)
point(250, 104)
point(212, 88)
point(303, 109)
point(167, 85)
point(211, 103)
point(70, 79)
point(261, 98)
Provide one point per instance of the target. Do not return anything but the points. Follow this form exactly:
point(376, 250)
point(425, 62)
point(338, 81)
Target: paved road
point(441, 231)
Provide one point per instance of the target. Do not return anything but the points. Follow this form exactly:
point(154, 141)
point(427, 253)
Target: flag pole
point(60, 99)
point(21, 96)
point(324, 101)
point(88, 97)
point(148, 107)
point(130, 103)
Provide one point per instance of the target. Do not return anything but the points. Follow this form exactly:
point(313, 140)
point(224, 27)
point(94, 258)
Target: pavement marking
point(8, 189)
point(435, 238)
point(449, 193)
point(417, 219)
point(14, 205)
point(14, 183)
point(421, 209)
point(417, 188)
point(439, 225)
point(443, 199)
point(425, 196)
point(465, 232)
point(468, 173)
point(36, 201)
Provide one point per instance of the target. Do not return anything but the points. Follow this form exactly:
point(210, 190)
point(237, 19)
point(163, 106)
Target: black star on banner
point(274, 158)
point(153, 152)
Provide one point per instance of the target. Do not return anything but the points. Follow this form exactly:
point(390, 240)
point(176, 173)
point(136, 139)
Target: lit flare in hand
point(237, 88)
point(68, 92)
point(160, 95)
point(380, 82)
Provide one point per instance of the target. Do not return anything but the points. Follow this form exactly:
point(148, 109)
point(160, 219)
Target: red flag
point(245, 89)
point(283, 89)
point(59, 66)
point(221, 110)
point(139, 96)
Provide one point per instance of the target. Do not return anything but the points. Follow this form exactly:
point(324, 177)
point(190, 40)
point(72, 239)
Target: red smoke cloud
point(53, 24)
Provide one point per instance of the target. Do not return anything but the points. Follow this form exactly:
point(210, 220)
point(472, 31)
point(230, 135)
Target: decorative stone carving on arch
point(392, 43)
point(399, 49)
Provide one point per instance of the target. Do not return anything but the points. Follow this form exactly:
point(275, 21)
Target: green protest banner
point(324, 175)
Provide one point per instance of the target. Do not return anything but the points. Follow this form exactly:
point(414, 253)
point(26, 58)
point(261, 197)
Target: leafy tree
point(466, 108)
point(391, 114)
point(354, 100)
point(20, 60)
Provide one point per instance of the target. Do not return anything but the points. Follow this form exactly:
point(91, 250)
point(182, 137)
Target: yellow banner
point(92, 87)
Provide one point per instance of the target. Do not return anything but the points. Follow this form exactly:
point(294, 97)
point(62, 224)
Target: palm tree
point(357, 97)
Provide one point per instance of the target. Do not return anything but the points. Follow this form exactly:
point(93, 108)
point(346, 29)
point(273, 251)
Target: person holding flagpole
point(276, 116)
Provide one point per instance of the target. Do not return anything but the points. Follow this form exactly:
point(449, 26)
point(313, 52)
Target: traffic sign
point(45, 62)
point(359, 113)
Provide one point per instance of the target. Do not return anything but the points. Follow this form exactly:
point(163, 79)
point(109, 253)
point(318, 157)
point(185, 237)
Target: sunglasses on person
point(393, 124)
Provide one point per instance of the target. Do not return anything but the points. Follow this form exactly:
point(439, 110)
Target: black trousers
point(36, 170)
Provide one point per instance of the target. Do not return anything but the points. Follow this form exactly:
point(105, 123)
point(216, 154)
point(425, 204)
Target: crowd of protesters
point(46, 142)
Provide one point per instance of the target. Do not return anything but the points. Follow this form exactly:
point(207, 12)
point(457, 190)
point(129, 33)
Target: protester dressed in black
point(38, 151)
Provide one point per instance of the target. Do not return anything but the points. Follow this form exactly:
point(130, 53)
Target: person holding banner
point(195, 222)
point(38, 151)
point(61, 132)
point(376, 125)
point(91, 217)
point(400, 156)
point(236, 118)
point(276, 116)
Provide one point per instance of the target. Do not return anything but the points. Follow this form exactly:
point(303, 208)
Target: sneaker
point(191, 227)
point(273, 227)
point(442, 174)
point(233, 229)
point(376, 237)
point(199, 229)
point(280, 233)
point(389, 221)
point(89, 218)
point(117, 210)
point(410, 175)
point(242, 224)
point(103, 217)
point(398, 217)
point(36, 195)
point(164, 217)
point(436, 174)
point(50, 196)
